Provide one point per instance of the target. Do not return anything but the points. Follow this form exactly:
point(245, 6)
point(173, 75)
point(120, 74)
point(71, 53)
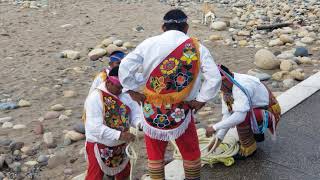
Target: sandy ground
point(30, 69)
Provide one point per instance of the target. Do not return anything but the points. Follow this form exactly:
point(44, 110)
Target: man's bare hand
point(127, 137)
point(138, 97)
point(210, 131)
point(196, 105)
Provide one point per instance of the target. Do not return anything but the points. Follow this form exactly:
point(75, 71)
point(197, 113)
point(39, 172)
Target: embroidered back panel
point(169, 84)
point(116, 113)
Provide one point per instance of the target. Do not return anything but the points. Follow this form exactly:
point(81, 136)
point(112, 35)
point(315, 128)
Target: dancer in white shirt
point(173, 64)
point(109, 114)
point(250, 106)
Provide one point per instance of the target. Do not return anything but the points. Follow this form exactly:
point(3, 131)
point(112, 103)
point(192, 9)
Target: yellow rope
point(223, 153)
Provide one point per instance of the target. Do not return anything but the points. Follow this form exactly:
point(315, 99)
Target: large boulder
point(265, 59)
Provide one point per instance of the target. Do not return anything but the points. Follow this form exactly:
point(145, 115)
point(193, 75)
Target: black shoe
point(259, 137)
point(239, 156)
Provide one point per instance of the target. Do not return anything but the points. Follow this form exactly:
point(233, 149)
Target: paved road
point(294, 156)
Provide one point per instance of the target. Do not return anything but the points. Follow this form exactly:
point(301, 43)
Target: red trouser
point(94, 171)
point(189, 148)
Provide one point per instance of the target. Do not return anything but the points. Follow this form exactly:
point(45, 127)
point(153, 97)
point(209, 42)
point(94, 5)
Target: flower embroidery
point(189, 54)
point(181, 80)
point(178, 114)
point(147, 110)
point(109, 102)
point(116, 161)
point(106, 153)
point(161, 120)
point(157, 83)
point(169, 66)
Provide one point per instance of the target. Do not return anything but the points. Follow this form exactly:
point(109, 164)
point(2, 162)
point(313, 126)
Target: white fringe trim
point(166, 135)
point(108, 170)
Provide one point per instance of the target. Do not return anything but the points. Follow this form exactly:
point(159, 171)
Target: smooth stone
point(48, 138)
point(79, 127)
point(112, 48)
point(300, 44)
point(243, 43)
point(5, 142)
point(67, 141)
point(71, 54)
point(66, 26)
point(75, 136)
point(69, 94)
point(219, 26)
point(107, 42)
point(297, 75)
point(24, 103)
point(31, 163)
point(128, 45)
point(43, 158)
point(68, 172)
point(285, 56)
point(258, 74)
point(26, 149)
point(275, 84)
point(286, 38)
point(38, 129)
point(215, 37)
point(287, 65)
point(244, 33)
point(63, 117)
point(8, 105)
point(5, 119)
point(19, 126)
point(68, 112)
point(96, 54)
point(279, 76)
point(301, 51)
point(16, 152)
point(118, 42)
point(275, 42)
point(16, 146)
point(265, 59)
point(286, 30)
point(57, 107)
point(307, 40)
point(51, 115)
point(305, 60)
point(288, 83)
point(7, 125)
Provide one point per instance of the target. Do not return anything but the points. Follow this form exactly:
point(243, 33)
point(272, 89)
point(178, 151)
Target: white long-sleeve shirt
point(151, 52)
point(259, 97)
point(95, 129)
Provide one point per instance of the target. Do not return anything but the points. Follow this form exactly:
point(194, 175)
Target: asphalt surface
point(295, 155)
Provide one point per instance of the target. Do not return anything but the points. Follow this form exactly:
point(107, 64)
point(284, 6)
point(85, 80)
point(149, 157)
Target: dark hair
point(114, 71)
point(178, 15)
point(225, 69)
